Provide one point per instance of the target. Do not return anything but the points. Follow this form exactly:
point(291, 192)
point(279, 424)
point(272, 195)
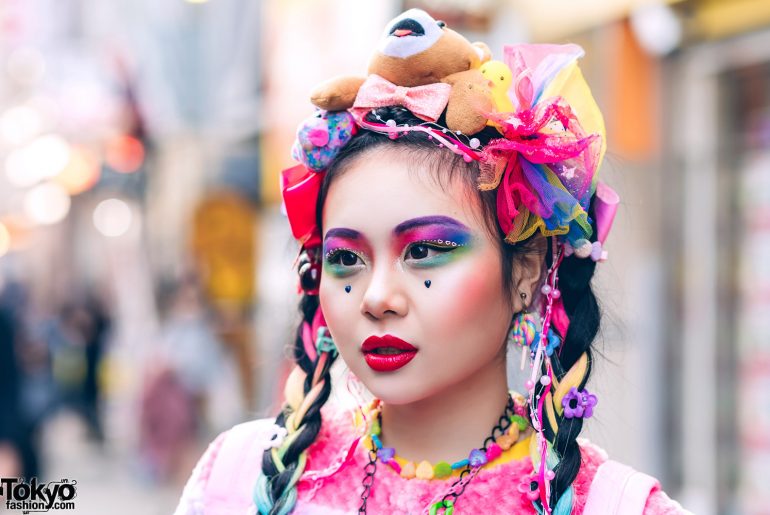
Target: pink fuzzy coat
point(224, 478)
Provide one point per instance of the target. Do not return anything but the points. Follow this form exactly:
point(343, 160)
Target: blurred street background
point(146, 284)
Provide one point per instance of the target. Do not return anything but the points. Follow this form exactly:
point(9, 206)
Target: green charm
point(442, 469)
point(448, 505)
point(324, 342)
point(519, 421)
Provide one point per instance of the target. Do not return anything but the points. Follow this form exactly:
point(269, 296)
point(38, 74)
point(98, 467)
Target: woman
point(442, 225)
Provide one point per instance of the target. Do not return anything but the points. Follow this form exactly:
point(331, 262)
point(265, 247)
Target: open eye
point(426, 251)
point(343, 258)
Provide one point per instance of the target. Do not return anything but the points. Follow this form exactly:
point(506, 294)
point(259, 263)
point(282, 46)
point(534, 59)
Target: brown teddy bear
point(417, 50)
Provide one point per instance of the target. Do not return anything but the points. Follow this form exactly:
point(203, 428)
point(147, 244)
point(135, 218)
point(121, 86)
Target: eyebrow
point(349, 234)
point(428, 220)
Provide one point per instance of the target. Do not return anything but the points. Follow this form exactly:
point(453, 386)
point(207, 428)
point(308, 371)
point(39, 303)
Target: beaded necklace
point(500, 439)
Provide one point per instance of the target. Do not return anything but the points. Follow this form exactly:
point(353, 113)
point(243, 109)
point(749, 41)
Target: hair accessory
point(579, 403)
point(324, 342)
point(309, 269)
point(320, 138)
point(426, 102)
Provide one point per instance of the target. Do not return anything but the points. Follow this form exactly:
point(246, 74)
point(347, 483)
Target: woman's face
point(388, 228)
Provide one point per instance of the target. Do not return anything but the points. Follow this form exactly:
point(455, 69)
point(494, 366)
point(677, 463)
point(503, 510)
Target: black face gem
point(427, 283)
point(347, 288)
point(441, 24)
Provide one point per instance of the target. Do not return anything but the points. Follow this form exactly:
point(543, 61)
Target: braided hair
point(275, 492)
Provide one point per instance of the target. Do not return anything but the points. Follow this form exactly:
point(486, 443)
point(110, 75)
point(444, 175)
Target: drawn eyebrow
point(342, 232)
point(428, 220)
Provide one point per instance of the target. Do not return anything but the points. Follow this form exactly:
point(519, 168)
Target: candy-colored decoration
point(513, 432)
point(460, 464)
point(500, 78)
point(424, 470)
point(520, 421)
point(505, 441)
point(320, 138)
point(493, 452)
point(477, 458)
point(408, 470)
point(442, 469)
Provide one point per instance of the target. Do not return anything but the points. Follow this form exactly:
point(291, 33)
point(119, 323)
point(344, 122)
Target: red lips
point(387, 353)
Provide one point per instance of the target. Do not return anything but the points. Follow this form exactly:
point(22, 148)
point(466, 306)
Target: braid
point(276, 491)
point(571, 365)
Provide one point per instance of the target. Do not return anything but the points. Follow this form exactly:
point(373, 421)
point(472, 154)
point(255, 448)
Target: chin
point(397, 389)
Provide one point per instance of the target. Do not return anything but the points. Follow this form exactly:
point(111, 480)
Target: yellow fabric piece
point(570, 84)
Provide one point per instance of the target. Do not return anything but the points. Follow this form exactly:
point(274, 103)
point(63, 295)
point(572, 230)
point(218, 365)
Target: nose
point(385, 295)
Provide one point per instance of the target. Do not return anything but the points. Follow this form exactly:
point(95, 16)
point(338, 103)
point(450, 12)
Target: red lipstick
point(387, 353)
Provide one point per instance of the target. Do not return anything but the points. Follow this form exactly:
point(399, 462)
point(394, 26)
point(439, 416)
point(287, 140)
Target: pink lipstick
point(387, 353)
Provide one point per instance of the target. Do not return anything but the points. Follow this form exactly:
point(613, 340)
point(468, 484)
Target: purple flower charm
point(386, 454)
point(578, 404)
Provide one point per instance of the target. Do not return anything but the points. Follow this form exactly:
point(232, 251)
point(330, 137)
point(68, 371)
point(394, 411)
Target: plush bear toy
point(417, 50)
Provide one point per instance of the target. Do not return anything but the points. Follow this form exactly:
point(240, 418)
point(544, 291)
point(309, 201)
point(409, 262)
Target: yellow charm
point(505, 441)
point(513, 431)
point(424, 470)
point(407, 471)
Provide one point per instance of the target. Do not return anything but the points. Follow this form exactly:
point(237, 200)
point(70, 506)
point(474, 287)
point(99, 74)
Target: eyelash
point(437, 244)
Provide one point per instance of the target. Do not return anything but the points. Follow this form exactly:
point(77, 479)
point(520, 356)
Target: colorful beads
point(520, 421)
point(505, 441)
point(513, 432)
point(477, 458)
point(442, 469)
point(460, 464)
point(447, 505)
point(493, 452)
point(375, 427)
point(386, 454)
point(408, 471)
point(424, 470)
point(377, 441)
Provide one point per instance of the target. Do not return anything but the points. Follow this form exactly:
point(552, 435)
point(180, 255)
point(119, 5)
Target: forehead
point(383, 187)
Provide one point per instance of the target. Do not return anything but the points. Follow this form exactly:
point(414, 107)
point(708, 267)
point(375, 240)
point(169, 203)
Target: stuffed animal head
point(416, 50)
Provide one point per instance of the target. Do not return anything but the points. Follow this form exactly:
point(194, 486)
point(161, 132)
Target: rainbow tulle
point(546, 162)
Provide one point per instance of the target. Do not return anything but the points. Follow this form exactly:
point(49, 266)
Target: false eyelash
point(333, 253)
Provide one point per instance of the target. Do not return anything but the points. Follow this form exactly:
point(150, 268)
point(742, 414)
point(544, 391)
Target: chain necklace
point(449, 500)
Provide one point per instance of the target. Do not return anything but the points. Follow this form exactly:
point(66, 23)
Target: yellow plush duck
point(500, 79)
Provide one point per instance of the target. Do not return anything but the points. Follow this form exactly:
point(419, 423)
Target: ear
point(485, 54)
point(528, 271)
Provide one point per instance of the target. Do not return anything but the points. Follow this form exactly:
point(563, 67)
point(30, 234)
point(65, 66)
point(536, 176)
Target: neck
point(446, 426)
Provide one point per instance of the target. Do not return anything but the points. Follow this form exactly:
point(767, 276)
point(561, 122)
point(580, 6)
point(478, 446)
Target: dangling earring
point(523, 330)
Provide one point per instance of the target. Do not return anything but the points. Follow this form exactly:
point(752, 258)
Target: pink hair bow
point(426, 102)
point(300, 187)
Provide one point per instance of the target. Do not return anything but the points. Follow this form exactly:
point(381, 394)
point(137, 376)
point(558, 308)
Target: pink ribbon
point(425, 102)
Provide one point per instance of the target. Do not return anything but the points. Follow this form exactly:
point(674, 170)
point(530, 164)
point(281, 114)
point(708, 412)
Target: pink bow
point(425, 102)
point(300, 187)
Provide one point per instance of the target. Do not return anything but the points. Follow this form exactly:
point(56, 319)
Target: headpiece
point(543, 166)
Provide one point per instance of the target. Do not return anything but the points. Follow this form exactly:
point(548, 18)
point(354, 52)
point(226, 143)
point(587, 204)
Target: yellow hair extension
point(311, 396)
point(573, 377)
point(549, 410)
point(294, 390)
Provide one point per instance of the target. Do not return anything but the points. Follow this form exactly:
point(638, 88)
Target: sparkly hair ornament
point(543, 167)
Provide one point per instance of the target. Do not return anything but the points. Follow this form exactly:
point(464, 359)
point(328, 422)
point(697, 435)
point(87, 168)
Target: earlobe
point(528, 271)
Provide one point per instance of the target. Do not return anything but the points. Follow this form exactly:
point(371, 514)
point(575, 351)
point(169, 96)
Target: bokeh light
point(47, 203)
point(124, 154)
point(81, 172)
point(112, 217)
point(19, 124)
point(43, 158)
point(26, 65)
